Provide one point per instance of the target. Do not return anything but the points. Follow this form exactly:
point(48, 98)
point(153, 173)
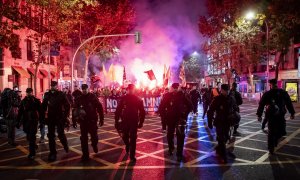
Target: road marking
point(145, 167)
point(283, 142)
point(195, 125)
point(37, 159)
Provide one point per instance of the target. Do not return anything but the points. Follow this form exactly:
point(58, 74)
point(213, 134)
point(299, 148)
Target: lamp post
point(137, 40)
point(251, 15)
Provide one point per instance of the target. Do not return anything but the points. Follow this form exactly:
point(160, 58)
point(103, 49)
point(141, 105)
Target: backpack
point(272, 109)
point(238, 98)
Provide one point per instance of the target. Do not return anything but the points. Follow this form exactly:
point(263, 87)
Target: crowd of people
point(221, 104)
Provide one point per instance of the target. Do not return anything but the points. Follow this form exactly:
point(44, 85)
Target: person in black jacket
point(239, 101)
point(206, 99)
point(76, 93)
point(176, 106)
point(56, 111)
point(195, 97)
point(10, 101)
point(277, 101)
point(29, 117)
point(222, 105)
point(162, 112)
point(89, 110)
point(132, 113)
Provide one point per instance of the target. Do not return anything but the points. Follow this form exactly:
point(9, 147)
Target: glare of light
point(250, 15)
point(138, 68)
point(195, 53)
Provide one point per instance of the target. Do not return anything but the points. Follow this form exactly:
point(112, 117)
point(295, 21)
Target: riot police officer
point(10, 103)
point(89, 110)
point(239, 101)
point(195, 97)
point(162, 112)
point(29, 116)
point(131, 110)
point(176, 106)
point(277, 101)
point(56, 111)
point(223, 105)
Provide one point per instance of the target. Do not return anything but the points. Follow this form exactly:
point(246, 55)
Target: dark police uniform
point(57, 108)
point(239, 101)
point(276, 120)
point(206, 100)
point(176, 106)
point(223, 106)
point(195, 97)
point(10, 113)
point(131, 110)
point(29, 116)
point(92, 108)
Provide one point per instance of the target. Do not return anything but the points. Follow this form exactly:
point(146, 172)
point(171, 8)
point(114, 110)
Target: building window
point(41, 85)
point(29, 50)
point(1, 54)
point(51, 60)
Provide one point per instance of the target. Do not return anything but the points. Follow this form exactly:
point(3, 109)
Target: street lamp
point(251, 15)
point(137, 40)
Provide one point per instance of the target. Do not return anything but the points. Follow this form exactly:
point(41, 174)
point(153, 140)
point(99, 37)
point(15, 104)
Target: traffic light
point(138, 37)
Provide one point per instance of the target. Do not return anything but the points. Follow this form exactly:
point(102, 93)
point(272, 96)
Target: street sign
point(55, 48)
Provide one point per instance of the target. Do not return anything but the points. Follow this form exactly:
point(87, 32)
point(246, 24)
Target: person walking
point(222, 105)
point(132, 113)
point(195, 97)
point(176, 106)
point(10, 101)
point(88, 110)
point(29, 116)
point(56, 111)
point(239, 101)
point(277, 102)
point(162, 112)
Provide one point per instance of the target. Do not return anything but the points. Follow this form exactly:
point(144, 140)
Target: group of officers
point(175, 106)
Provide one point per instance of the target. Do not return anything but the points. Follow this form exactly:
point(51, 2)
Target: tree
point(194, 65)
point(99, 18)
point(72, 21)
point(10, 21)
point(228, 31)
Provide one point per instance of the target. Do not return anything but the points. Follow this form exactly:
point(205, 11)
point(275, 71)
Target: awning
point(31, 71)
point(44, 72)
point(53, 74)
point(23, 73)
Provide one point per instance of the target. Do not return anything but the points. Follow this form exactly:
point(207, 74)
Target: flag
point(182, 76)
point(104, 70)
point(167, 75)
point(165, 72)
point(124, 75)
point(111, 72)
point(95, 79)
point(150, 74)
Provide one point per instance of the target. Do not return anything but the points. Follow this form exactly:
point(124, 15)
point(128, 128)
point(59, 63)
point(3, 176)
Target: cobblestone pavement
point(248, 155)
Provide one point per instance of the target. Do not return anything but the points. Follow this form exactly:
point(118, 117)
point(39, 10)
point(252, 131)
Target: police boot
point(95, 148)
point(85, 157)
point(52, 157)
point(127, 148)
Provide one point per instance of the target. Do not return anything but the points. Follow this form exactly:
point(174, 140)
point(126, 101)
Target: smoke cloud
point(169, 31)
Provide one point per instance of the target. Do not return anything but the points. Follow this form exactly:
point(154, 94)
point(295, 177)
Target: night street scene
point(149, 89)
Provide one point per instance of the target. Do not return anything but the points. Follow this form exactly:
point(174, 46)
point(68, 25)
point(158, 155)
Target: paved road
point(248, 155)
